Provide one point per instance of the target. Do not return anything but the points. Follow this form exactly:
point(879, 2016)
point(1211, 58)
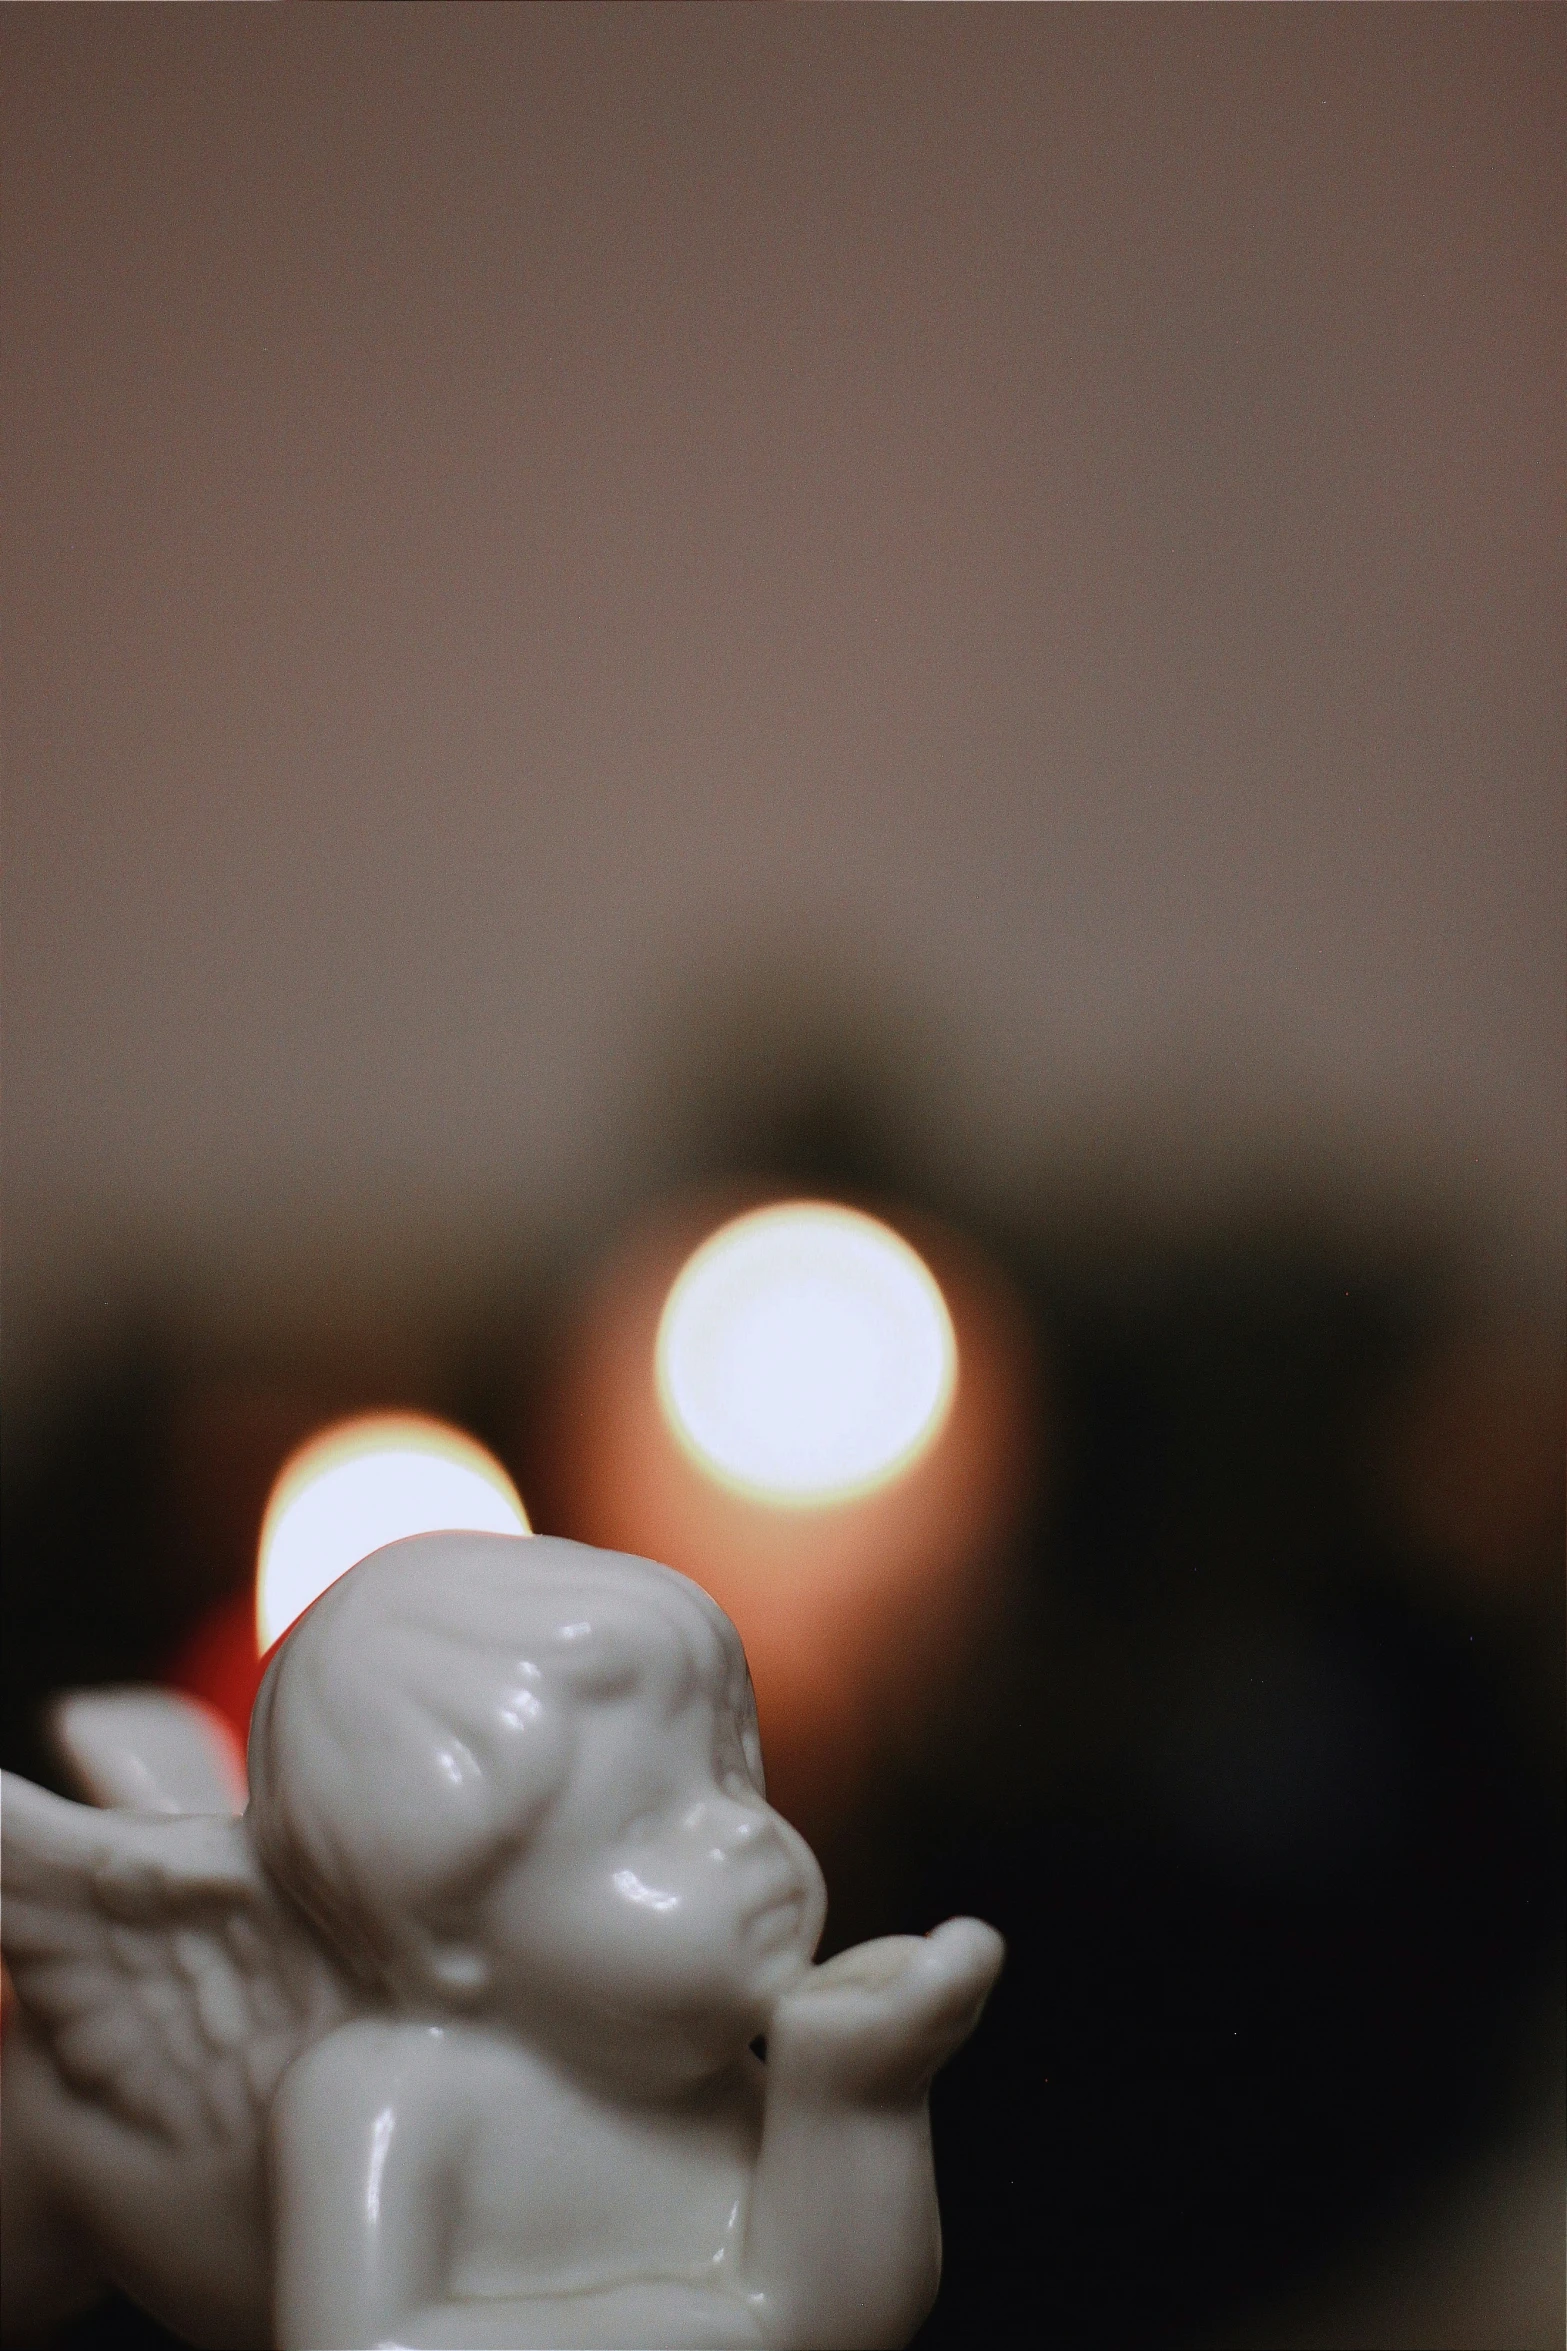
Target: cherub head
point(517, 1775)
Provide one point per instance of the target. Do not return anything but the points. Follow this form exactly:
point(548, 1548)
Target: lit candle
point(350, 1488)
point(367, 1482)
point(825, 1426)
point(805, 1355)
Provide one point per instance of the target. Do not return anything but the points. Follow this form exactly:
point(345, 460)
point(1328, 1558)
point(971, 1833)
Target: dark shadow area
point(1262, 1787)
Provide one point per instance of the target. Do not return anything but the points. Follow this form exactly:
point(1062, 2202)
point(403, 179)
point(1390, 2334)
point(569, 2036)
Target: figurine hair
point(417, 1722)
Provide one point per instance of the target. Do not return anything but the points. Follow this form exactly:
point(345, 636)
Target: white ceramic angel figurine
point(448, 2041)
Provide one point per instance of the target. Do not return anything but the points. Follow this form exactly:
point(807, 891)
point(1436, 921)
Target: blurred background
point(617, 614)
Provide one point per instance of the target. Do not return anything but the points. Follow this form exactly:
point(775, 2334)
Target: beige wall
point(1046, 516)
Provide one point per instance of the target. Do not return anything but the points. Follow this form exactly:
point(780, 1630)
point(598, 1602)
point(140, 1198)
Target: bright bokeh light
point(805, 1354)
point(367, 1482)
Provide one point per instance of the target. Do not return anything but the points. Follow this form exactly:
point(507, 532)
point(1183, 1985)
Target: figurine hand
point(877, 2021)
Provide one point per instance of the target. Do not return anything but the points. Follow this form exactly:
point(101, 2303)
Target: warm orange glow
point(363, 1483)
point(858, 1604)
point(805, 1354)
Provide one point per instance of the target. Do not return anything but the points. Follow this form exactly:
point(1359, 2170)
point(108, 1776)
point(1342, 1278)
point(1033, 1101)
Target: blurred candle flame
point(858, 1562)
point(805, 1354)
point(362, 1483)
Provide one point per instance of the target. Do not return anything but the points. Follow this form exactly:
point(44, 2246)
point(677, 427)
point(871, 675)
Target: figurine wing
point(143, 1749)
point(164, 1974)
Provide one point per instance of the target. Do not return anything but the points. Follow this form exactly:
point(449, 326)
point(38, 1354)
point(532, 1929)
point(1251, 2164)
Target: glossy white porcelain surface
point(448, 2040)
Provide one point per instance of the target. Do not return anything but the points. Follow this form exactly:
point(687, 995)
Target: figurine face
point(663, 1905)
